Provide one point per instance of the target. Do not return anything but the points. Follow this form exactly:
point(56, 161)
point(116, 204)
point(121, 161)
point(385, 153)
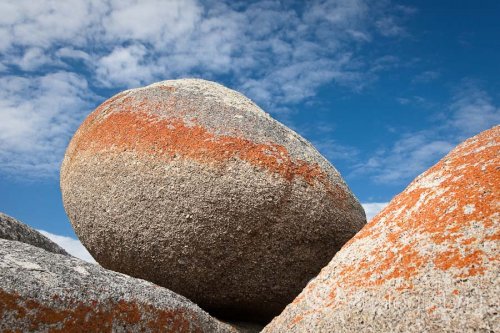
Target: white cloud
point(37, 117)
point(135, 42)
point(470, 111)
point(155, 21)
point(473, 110)
point(426, 77)
point(44, 23)
point(403, 100)
point(388, 27)
point(125, 66)
point(71, 245)
point(409, 156)
point(276, 54)
point(390, 24)
point(385, 62)
point(373, 208)
point(71, 53)
point(341, 13)
point(31, 59)
point(335, 151)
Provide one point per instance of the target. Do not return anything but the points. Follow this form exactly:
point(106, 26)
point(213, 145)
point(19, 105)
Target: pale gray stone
point(12, 229)
point(45, 292)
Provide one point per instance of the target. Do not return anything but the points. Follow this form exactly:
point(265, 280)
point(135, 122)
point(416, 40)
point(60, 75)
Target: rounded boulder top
point(14, 230)
point(428, 262)
point(192, 186)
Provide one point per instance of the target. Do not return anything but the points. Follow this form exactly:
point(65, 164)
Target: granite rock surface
point(190, 185)
point(429, 262)
point(12, 229)
point(45, 292)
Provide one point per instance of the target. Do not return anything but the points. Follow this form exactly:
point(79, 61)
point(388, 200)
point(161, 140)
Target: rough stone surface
point(45, 292)
point(12, 229)
point(190, 185)
point(429, 262)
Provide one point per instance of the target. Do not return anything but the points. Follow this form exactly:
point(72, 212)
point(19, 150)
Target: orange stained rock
point(297, 319)
point(470, 264)
point(411, 239)
point(97, 317)
point(133, 128)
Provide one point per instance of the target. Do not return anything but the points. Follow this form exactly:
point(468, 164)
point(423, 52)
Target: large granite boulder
point(429, 262)
point(12, 229)
point(190, 185)
point(45, 292)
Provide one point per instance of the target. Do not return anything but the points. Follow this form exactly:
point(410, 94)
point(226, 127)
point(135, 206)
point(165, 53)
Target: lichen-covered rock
point(429, 262)
point(192, 186)
point(12, 229)
point(45, 292)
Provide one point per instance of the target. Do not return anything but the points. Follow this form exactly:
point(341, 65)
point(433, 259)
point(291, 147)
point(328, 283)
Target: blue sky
point(383, 89)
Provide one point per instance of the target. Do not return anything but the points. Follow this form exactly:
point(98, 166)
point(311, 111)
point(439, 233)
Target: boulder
point(192, 186)
point(429, 262)
point(12, 229)
point(46, 292)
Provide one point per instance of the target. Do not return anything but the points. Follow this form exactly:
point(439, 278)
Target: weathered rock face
point(429, 262)
point(190, 185)
point(12, 229)
point(41, 291)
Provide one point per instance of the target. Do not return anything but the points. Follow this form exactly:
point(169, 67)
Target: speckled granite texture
point(12, 229)
point(429, 262)
point(45, 292)
point(190, 185)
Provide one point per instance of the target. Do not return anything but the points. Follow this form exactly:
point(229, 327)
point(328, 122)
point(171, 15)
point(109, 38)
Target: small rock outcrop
point(429, 262)
point(192, 186)
point(46, 292)
point(12, 229)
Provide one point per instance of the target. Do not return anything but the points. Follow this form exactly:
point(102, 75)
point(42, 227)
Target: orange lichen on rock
point(431, 309)
point(169, 138)
point(469, 265)
point(435, 241)
point(203, 165)
point(74, 316)
point(420, 217)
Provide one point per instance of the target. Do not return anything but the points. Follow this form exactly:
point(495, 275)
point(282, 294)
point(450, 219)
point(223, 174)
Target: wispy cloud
point(276, 53)
point(388, 27)
point(266, 45)
point(426, 76)
point(37, 116)
point(407, 157)
point(335, 151)
point(392, 25)
point(470, 111)
point(71, 245)
point(373, 208)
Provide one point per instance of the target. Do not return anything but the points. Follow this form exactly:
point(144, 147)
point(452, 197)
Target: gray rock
point(12, 229)
point(429, 262)
point(41, 291)
point(192, 186)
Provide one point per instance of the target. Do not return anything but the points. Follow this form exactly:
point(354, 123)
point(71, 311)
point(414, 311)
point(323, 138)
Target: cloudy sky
point(383, 88)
